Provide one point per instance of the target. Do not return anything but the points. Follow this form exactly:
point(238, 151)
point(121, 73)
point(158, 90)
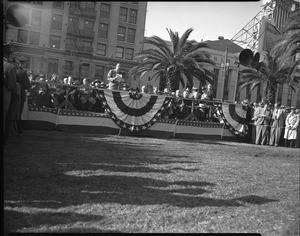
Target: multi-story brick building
point(82, 39)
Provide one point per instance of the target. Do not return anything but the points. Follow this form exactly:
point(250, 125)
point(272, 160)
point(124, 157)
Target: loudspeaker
point(246, 57)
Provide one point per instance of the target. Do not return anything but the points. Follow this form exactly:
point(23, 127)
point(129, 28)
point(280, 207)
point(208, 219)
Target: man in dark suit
point(278, 119)
point(24, 82)
point(10, 90)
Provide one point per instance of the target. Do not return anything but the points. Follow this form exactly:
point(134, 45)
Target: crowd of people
point(266, 124)
point(274, 125)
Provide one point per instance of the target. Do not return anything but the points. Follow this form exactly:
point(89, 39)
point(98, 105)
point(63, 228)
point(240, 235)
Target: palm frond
point(184, 37)
point(174, 39)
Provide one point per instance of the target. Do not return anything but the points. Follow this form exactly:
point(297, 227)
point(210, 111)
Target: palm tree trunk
point(173, 79)
point(270, 93)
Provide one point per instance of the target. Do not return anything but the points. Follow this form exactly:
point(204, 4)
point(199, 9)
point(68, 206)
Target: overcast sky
point(209, 19)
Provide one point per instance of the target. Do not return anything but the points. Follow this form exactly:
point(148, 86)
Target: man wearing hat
point(10, 86)
point(278, 119)
point(262, 117)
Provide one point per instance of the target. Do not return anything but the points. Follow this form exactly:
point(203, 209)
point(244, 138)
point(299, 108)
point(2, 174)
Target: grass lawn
point(64, 182)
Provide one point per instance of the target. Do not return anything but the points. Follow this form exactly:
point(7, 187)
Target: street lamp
point(224, 67)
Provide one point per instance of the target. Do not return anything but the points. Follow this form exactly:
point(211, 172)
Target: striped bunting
point(234, 117)
point(134, 113)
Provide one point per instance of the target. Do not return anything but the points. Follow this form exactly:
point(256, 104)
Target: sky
point(209, 19)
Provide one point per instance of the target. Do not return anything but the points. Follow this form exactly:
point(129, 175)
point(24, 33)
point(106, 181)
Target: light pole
point(236, 84)
point(224, 67)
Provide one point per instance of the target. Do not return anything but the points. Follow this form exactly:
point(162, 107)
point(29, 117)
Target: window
point(58, 5)
point(121, 33)
point(36, 17)
point(53, 66)
point(119, 52)
point(101, 49)
point(22, 36)
point(72, 24)
point(99, 72)
point(103, 30)
point(54, 41)
point(56, 22)
point(132, 16)
point(68, 67)
point(90, 5)
point(104, 10)
point(129, 53)
point(123, 14)
point(130, 35)
point(34, 38)
point(88, 25)
point(87, 46)
point(85, 70)
point(70, 44)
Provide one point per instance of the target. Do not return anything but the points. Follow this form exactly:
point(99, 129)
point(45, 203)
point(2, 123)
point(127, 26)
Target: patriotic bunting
point(133, 112)
point(234, 117)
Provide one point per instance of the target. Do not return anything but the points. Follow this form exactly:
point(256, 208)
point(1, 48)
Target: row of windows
point(56, 20)
point(123, 34)
point(126, 14)
point(68, 68)
point(86, 45)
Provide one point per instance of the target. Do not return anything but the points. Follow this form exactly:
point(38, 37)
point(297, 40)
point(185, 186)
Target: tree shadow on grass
point(14, 219)
point(93, 188)
point(147, 191)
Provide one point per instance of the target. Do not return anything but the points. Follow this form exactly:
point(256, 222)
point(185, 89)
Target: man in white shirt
point(276, 125)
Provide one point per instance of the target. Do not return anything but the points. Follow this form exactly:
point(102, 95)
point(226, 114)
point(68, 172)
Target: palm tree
point(289, 44)
point(175, 65)
point(269, 74)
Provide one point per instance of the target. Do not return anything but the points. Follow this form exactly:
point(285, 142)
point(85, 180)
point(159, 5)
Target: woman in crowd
point(291, 125)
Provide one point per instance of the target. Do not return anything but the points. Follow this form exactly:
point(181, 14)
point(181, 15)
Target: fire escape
point(76, 50)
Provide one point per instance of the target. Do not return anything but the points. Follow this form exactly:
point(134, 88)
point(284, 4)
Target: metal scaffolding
point(249, 35)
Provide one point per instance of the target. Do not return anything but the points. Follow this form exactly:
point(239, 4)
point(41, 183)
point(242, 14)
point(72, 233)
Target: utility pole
point(224, 67)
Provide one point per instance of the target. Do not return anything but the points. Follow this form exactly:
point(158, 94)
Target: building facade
point(82, 39)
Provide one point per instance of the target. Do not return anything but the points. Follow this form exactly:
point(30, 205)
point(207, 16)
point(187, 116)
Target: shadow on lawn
point(148, 191)
point(99, 175)
point(14, 220)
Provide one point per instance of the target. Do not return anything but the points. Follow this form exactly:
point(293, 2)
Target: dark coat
point(9, 83)
point(24, 82)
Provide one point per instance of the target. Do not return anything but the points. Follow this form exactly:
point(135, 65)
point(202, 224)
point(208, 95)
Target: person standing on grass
point(297, 111)
point(24, 82)
point(277, 124)
point(10, 89)
point(291, 126)
point(112, 77)
point(253, 122)
point(262, 117)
